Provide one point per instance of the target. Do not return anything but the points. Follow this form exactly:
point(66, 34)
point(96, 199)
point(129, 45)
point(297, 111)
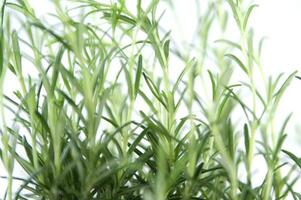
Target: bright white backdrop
point(280, 22)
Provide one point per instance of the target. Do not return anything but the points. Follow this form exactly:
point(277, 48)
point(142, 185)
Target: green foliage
point(79, 131)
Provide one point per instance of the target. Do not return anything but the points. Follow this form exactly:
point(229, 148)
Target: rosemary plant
point(109, 105)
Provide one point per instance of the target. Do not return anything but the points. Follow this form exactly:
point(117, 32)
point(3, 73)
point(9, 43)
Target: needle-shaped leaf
point(56, 66)
point(137, 141)
point(247, 16)
point(246, 139)
point(293, 157)
point(1, 51)
point(53, 34)
point(154, 89)
point(235, 12)
point(129, 81)
point(138, 75)
point(230, 43)
point(166, 49)
point(2, 37)
point(16, 51)
point(189, 65)
point(213, 85)
point(238, 61)
point(123, 18)
point(277, 96)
